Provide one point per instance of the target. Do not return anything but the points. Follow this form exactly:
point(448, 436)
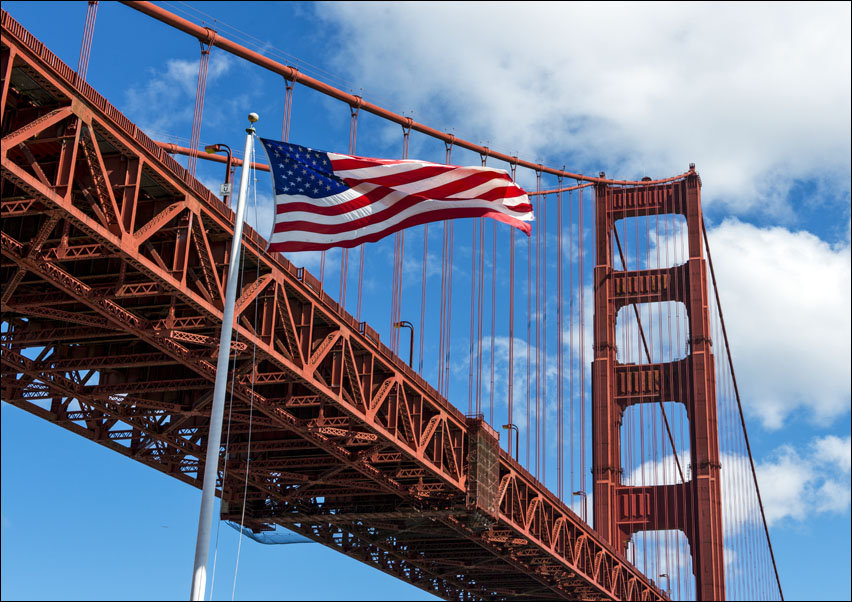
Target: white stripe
point(377, 171)
point(327, 201)
point(339, 157)
point(419, 208)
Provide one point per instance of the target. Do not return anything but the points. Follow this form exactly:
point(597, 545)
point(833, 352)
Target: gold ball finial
point(253, 117)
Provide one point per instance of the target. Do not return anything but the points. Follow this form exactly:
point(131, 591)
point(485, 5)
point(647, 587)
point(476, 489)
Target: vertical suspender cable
point(443, 311)
point(399, 257)
point(560, 450)
point(423, 298)
point(446, 274)
point(198, 111)
point(449, 320)
point(479, 316)
point(344, 253)
point(571, 443)
point(528, 386)
point(537, 314)
point(470, 392)
point(88, 33)
point(511, 380)
point(288, 109)
point(582, 325)
point(544, 389)
point(493, 312)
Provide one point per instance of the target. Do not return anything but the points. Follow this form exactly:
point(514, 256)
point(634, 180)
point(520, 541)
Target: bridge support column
point(694, 505)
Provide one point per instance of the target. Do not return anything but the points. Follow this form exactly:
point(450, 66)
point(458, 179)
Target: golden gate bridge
point(114, 266)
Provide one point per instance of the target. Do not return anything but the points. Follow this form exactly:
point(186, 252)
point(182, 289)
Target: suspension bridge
point(613, 463)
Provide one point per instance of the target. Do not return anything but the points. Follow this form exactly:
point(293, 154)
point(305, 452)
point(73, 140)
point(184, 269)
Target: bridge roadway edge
point(530, 518)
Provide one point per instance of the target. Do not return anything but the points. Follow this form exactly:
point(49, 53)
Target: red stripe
point(415, 220)
point(401, 178)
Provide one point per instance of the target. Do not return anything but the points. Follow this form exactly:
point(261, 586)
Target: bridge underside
point(114, 263)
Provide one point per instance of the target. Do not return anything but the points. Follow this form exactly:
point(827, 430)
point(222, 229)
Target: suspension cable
point(740, 406)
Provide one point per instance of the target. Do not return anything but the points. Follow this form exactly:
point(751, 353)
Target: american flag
point(325, 200)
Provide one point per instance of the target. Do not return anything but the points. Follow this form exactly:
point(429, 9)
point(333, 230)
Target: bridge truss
point(113, 265)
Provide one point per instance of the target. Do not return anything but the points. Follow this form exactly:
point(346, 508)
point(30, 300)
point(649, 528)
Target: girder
point(115, 261)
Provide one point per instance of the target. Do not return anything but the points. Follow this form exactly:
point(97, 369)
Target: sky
point(756, 95)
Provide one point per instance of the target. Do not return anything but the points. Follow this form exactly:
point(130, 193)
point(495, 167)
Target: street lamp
point(667, 582)
point(583, 495)
point(510, 428)
point(410, 326)
point(226, 187)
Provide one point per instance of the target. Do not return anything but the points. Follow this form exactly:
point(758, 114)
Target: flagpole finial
point(253, 118)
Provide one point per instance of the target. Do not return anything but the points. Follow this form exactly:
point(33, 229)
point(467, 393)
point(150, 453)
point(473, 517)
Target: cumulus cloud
point(786, 298)
point(757, 97)
point(796, 484)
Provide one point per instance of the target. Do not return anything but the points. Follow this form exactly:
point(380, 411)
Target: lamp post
point(218, 148)
point(409, 326)
point(583, 495)
point(667, 583)
point(513, 427)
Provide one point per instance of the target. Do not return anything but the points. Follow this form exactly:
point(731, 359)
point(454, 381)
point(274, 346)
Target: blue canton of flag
point(301, 170)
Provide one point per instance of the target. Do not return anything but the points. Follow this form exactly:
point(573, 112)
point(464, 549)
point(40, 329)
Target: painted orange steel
point(693, 506)
point(114, 260)
point(174, 149)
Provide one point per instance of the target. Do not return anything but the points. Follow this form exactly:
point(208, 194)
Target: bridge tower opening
point(693, 504)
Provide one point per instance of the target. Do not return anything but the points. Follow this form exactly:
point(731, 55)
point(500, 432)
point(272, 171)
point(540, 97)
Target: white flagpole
point(211, 464)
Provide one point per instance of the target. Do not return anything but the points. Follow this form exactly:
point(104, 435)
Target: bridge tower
point(692, 506)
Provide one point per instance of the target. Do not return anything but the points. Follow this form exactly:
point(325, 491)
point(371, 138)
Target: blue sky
point(757, 96)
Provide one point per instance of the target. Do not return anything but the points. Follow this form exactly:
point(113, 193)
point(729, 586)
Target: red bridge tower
point(694, 506)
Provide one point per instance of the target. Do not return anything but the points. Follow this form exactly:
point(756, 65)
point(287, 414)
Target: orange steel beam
point(206, 35)
point(118, 258)
point(174, 149)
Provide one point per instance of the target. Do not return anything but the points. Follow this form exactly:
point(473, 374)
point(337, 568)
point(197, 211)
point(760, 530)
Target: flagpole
point(211, 463)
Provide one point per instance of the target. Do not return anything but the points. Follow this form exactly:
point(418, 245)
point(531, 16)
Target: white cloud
point(833, 452)
point(758, 97)
point(786, 298)
point(796, 485)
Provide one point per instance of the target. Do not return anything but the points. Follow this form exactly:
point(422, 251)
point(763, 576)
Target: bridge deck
point(112, 279)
